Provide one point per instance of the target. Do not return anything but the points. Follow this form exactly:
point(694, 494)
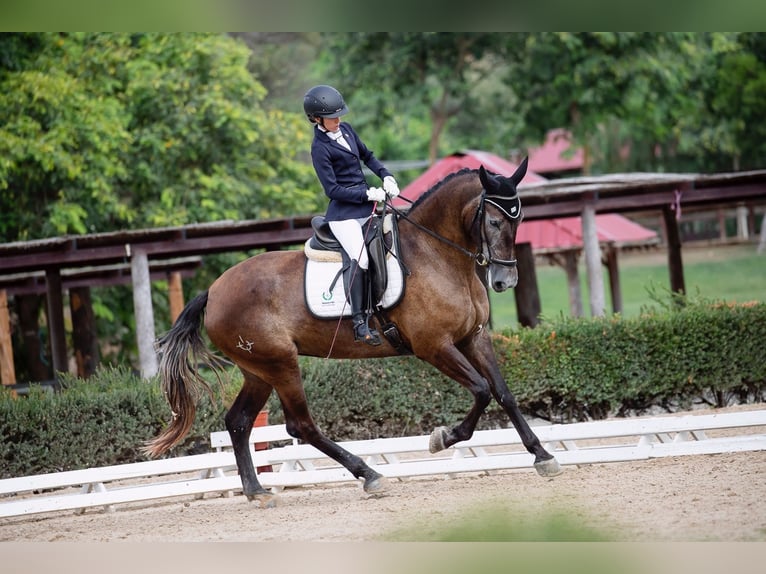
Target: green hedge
point(565, 370)
point(103, 421)
point(589, 369)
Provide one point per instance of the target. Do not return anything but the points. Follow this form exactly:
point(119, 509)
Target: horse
point(254, 313)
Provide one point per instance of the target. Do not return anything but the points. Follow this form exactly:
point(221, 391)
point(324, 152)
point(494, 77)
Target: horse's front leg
point(239, 422)
point(480, 352)
point(453, 363)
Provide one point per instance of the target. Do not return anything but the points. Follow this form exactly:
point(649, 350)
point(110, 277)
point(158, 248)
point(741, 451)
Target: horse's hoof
point(548, 468)
point(438, 438)
point(376, 486)
point(263, 499)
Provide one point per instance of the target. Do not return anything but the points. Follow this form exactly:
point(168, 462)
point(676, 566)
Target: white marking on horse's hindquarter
point(245, 345)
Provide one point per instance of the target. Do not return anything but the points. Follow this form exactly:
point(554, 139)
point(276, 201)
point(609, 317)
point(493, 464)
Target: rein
point(479, 257)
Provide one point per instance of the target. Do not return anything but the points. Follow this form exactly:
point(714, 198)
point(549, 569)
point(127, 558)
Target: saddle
point(326, 262)
point(381, 240)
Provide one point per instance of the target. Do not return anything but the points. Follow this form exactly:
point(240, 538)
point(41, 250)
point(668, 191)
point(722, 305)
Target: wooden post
point(573, 283)
point(675, 264)
point(56, 322)
point(527, 293)
point(593, 258)
point(84, 342)
point(743, 231)
point(7, 370)
point(28, 311)
point(142, 304)
point(614, 277)
point(721, 224)
point(175, 295)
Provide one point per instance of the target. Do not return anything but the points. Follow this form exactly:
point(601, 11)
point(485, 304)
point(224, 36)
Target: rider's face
point(331, 124)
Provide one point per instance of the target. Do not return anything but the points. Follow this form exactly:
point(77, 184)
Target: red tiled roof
point(470, 159)
point(552, 233)
point(551, 155)
point(567, 231)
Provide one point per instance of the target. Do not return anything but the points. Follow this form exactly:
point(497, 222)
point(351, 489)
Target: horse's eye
point(496, 223)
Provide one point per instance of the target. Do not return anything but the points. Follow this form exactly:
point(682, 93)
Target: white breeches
point(349, 234)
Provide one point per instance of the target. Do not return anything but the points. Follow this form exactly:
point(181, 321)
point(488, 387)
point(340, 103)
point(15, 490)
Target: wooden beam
point(34, 282)
point(7, 369)
point(110, 254)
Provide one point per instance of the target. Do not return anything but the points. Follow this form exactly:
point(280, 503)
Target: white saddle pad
point(324, 303)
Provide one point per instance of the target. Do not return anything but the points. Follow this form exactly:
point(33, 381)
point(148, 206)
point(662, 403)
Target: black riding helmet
point(324, 102)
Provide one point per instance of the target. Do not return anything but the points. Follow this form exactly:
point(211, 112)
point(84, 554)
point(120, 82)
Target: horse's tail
point(181, 350)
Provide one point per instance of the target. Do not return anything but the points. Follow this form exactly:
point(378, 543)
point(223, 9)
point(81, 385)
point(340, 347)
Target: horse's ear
point(520, 172)
point(486, 181)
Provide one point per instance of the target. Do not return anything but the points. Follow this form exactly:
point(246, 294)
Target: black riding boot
point(358, 300)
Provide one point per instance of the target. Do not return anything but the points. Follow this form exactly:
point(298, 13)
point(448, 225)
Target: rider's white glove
point(391, 187)
point(376, 194)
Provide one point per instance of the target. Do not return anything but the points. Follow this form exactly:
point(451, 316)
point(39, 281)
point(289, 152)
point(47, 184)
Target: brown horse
point(256, 315)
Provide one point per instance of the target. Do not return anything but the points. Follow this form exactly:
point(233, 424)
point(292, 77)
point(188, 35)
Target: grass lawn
point(724, 273)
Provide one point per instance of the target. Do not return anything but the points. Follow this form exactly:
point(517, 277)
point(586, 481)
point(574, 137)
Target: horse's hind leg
point(239, 422)
point(301, 423)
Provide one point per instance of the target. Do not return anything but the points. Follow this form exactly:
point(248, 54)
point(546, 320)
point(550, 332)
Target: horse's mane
point(435, 187)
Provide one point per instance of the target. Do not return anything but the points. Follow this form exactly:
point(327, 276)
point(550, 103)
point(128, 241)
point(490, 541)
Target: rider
point(337, 153)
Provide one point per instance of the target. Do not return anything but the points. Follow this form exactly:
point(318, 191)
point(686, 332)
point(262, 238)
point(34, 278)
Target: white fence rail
point(298, 464)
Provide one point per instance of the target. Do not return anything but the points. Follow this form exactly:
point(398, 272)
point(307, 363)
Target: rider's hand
point(390, 186)
point(376, 194)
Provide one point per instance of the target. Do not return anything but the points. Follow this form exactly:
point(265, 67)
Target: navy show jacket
point(340, 173)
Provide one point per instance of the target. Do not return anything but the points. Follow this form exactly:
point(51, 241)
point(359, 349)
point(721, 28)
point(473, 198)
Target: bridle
point(511, 213)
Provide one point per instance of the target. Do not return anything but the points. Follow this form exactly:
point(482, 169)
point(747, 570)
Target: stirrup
point(363, 333)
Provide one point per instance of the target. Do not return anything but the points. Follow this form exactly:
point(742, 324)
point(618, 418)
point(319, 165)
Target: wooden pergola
point(48, 263)
point(668, 194)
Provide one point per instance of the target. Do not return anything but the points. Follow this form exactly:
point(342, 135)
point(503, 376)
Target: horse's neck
point(444, 214)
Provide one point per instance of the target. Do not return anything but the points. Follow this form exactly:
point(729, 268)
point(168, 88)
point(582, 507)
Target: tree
point(585, 81)
point(728, 130)
point(401, 71)
point(60, 150)
point(106, 131)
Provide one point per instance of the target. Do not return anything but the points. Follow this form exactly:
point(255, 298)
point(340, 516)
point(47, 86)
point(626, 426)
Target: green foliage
point(729, 131)
point(429, 78)
point(577, 369)
point(677, 101)
point(389, 397)
point(107, 131)
point(100, 422)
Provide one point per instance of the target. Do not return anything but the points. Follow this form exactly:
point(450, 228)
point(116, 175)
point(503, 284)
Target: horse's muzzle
point(503, 278)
